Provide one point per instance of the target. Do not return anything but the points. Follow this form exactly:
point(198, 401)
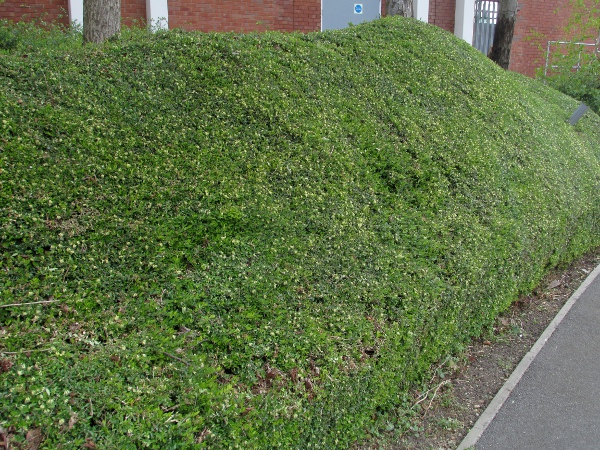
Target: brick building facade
point(255, 15)
point(549, 20)
point(49, 10)
point(305, 16)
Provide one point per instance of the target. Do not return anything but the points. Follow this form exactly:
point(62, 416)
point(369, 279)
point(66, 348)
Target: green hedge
point(584, 85)
point(266, 240)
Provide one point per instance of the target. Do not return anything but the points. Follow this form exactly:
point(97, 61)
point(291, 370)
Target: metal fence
point(557, 55)
point(486, 16)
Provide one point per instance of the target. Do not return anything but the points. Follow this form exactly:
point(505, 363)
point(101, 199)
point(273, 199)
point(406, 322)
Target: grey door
point(336, 14)
point(486, 16)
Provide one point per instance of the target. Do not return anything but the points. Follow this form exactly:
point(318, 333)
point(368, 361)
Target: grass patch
point(263, 240)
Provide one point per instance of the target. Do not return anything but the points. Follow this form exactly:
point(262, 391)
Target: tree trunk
point(101, 19)
point(402, 8)
point(503, 34)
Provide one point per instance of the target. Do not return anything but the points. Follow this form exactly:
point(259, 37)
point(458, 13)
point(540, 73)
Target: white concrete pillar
point(157, 13)
point(464, 18)
point(76, 11)
point(421, 10)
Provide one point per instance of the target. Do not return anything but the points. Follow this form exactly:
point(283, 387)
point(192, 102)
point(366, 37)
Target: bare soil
point(451, 405)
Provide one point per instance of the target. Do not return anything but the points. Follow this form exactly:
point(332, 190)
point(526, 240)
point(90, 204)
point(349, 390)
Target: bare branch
point(29, 303)
point(177, 358)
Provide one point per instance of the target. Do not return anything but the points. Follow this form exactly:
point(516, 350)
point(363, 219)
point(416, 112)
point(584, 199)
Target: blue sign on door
point(337, 14)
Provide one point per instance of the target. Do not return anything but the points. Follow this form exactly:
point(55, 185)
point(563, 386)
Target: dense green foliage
point(37, 36)
point(572, 68)
point(267, 240)
point(584, 84)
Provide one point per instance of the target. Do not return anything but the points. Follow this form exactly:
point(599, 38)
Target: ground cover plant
point(267, 240)
point(583, 85)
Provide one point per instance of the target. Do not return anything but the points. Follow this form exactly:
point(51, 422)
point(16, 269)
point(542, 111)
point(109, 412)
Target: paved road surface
point(554, 402)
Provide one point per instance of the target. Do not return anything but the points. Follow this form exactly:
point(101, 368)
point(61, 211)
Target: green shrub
point(8, 38)
point(267, 240)
point(583, 85)
point(571, 67)
point(37, 36)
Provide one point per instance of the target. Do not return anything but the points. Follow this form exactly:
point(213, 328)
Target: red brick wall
point(306, 15)
point(442, 12)
point(285, 17)
point(58, 10)
point(250, 15)
point(133, 12)
point(536, 17)
point(47, 10)
point(221, 15)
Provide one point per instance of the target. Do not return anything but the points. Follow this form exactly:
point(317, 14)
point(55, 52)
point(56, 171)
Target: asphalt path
point(552, 400)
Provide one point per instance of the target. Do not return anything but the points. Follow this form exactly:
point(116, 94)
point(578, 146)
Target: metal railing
point(577, 65)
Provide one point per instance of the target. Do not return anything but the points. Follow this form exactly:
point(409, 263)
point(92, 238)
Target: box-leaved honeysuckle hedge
point(267, 240)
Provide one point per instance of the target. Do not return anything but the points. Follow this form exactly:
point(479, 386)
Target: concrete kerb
point(490, 412)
